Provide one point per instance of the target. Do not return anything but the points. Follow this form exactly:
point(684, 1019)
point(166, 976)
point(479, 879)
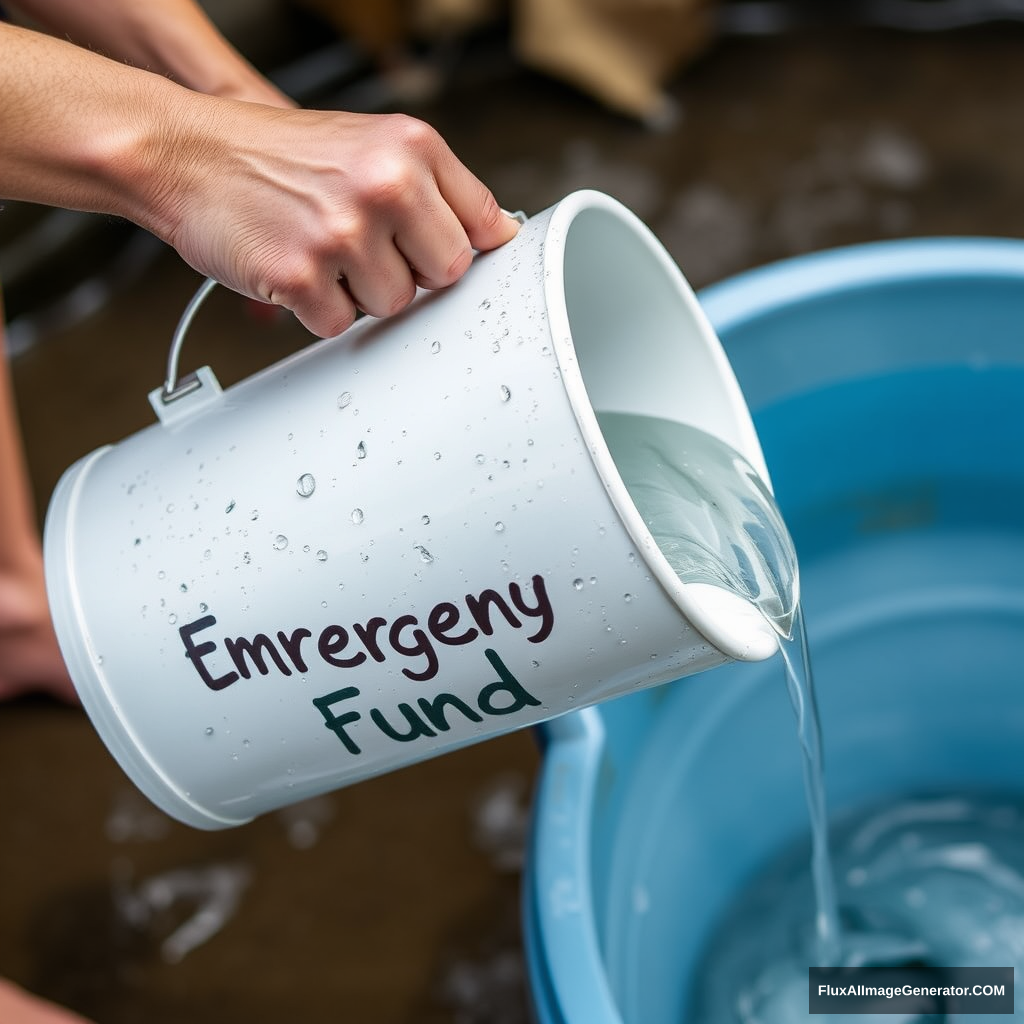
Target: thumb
point(493, 227)
point(486, 224)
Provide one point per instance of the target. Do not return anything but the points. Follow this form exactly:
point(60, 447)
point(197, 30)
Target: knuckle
point(290, 283)
point(401, 299)
point(414, 133)
point(344, 237)
point(491, 214)
point(390, 183)
point(458, 265)
point(340, 322)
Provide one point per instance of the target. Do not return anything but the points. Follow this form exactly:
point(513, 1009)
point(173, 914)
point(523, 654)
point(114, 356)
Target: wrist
point(151, 165)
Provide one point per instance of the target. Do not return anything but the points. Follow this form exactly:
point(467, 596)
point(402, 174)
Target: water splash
point(214, 891)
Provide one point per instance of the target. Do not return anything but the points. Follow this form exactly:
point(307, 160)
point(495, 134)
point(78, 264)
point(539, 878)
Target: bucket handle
point(175, 387)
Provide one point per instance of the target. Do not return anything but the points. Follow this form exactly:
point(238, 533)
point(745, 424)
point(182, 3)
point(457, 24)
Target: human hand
point(323, 212)
point(19, 1007)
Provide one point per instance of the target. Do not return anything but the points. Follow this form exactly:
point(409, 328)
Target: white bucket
point(413, 534)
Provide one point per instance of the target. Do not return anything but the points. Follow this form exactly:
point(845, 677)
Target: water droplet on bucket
point(361, 450)
point(506, 392)
point(170, 508)
point(627, 598)
point(231, 507)
point(425, 520)
point(486, 304)
point(321, 555)
point(172, 618)
point(425, 556)
point(437, 456)
point(357, 516)
point(183, 588)
point(280, 542)
point(254, 514)
point(203, 606)
point(344, 399)
point(499, 527)
point(435, 347)
point(161, 575)
point(138, 541)
point(246, 557)
point(208, 730)
point(577, 584)
point(481, 459)
point(305, 485)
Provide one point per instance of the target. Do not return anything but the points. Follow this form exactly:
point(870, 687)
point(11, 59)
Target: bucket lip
point(712, 622)
point(73, 635)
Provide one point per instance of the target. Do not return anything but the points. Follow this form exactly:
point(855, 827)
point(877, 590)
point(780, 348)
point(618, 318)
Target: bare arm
point(318, 211)
point(171, 37)
point(19, 1007)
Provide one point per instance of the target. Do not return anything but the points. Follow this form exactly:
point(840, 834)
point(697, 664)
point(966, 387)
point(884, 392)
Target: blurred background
point(742, 133)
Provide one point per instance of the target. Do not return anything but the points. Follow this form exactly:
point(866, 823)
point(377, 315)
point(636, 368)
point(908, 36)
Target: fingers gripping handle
point(176, 388)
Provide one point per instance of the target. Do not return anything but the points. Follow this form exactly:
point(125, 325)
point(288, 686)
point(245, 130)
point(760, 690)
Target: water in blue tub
point(934, 881)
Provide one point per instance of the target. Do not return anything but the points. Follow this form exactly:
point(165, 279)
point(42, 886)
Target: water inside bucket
point(708, 510)
point(934, 881)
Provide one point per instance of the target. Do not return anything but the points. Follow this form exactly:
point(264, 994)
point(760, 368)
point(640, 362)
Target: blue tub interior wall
point(886, 383)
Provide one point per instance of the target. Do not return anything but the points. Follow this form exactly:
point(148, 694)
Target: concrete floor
point(396, 900)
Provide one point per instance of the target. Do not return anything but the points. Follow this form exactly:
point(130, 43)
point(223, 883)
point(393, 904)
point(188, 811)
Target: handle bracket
point(202, 381)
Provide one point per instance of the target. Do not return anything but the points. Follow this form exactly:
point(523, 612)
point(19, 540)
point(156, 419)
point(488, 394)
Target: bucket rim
point(720, 617)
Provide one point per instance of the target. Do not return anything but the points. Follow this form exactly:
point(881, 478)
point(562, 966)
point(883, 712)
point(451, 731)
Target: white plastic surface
point(399, 541)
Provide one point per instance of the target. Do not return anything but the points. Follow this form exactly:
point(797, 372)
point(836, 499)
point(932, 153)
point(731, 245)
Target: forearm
point(318, 211)
point(171, 37)
point(87, 133)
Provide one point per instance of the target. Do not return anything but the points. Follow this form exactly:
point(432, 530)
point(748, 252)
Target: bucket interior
point(637, 331)
point(642, 344)
point(886, 385)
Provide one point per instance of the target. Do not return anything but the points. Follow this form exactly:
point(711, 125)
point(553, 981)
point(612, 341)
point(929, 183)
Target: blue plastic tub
point(887, 384)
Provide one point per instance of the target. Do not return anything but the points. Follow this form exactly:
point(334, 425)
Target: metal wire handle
point(173, 387)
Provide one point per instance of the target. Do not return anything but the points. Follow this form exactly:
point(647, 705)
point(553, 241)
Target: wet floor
point(396, 900)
